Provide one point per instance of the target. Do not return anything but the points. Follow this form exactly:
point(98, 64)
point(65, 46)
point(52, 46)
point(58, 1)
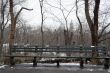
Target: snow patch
point(90, 69)
point(70, 64)
point(109, 70)
point(2, 66)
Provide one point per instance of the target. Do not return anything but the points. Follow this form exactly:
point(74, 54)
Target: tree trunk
point(2, 8)
point(1, 45)
point(13, 25)
point(65, 37)
point(42, 22)
point(81, 28)
point(93, 25)
point(94, 36)
point(42, 36)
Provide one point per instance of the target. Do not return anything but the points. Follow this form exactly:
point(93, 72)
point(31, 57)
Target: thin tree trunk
point(1, 46)
point(42, 32)
point(81, 28)
point(96, 14)
point(13, 23)
point(42, 22)
point(1, 30)
point(12, 29)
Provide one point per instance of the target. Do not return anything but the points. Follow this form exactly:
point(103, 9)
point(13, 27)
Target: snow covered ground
point(2, 66)
point(51, 68)
point(70, 64)
point(61, 64)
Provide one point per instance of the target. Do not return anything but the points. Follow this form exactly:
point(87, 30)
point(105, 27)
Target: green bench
point(86, 51)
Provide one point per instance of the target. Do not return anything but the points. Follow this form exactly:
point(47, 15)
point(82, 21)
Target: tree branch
point(105, 34)
point(6, 21)
point(77, 14)
point(56, 17)
point(103, 29)
point(103, 39)
point(81, 28)
point(52, 5)
point(20, 12)
point(88, 14)
point(70, 11)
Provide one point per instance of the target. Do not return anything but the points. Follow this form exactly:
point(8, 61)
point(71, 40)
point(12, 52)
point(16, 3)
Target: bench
point(84, 53)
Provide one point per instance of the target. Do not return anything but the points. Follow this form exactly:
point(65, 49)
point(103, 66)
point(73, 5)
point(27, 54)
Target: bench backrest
point(86, 51)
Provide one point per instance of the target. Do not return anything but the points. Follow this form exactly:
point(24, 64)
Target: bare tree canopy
point(54, 23)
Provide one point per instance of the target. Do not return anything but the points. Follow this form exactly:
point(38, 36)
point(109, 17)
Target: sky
point(33, 17)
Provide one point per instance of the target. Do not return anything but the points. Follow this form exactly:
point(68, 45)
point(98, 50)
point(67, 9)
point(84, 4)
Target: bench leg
point(58, 64)
point(106, 64)
point(34, 62)
point(81, 63)
point(12, 63)
point(86, 61)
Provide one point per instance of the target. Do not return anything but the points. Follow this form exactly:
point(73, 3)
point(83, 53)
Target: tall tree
point(80, 25)
point(41, 2)
point(93, 25)
point(13, 22)
point(67, 35)
point(2, 24)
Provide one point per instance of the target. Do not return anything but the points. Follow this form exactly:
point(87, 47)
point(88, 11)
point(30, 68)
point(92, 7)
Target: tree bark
point(42, 22)
point(81, 28)
point(93, 25)
point(2, 27)
point(12, 29)
point(13, 23)
point(1, 46)
point(96, 14)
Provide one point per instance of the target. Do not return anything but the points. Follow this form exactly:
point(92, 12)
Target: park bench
point(84, 53)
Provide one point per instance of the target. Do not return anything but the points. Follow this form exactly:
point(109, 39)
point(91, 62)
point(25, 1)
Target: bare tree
point(93, 25)
point(80, 24)
point(4, 21)
point(67, 35)
point(13, 22)
point(42, 20)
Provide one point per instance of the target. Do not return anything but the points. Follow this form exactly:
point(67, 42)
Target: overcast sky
point(34, 17)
